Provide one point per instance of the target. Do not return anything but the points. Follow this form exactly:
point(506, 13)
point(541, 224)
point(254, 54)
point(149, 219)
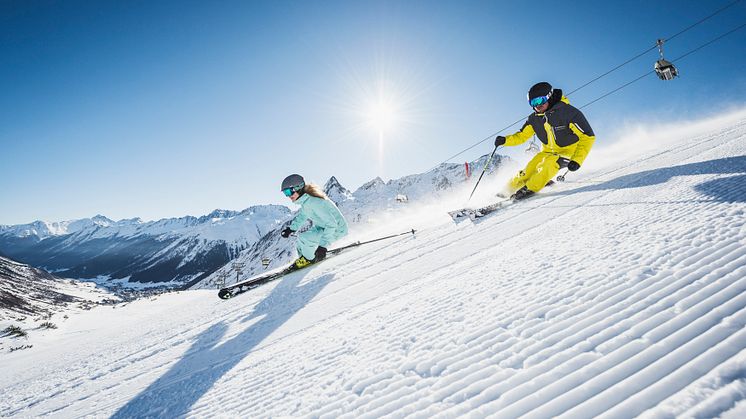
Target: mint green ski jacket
point(324, 215)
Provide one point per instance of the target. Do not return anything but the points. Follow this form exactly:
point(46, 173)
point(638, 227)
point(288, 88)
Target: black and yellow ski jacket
point(562, 129)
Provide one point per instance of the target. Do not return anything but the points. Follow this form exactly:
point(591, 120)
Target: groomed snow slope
point(620, 294)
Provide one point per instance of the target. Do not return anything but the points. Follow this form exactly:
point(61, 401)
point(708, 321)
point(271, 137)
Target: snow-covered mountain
point(620, 293)
point(31, 292)
point(361, 209)
point(31, 298)
point(336, 192)
point(377, 196)
point(174, 250)
point(40, 230)
point(181, 252)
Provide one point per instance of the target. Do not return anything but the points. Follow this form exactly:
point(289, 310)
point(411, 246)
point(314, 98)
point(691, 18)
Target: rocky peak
point(336, 192)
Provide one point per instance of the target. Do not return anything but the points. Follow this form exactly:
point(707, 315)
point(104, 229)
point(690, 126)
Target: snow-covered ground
point(32, 301)
point(618, 294)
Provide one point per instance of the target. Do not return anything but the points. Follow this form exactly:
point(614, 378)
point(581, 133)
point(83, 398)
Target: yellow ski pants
point(539, 170)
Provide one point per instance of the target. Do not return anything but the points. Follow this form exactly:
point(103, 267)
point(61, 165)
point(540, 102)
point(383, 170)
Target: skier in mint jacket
point(327, 222)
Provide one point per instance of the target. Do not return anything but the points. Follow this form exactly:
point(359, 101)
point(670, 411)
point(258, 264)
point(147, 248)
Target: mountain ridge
point(180, 251)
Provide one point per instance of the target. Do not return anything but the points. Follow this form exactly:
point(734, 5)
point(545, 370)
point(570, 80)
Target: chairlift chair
point(664, 68)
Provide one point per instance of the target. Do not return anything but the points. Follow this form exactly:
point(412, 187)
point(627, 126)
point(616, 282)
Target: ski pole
point(358, 243)
point(483, 170)
point(561, 178)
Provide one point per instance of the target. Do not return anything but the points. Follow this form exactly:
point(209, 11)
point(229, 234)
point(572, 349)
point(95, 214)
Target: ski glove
point(499, 140)
point(573, 166)
point(286, 232)
point(320, 253)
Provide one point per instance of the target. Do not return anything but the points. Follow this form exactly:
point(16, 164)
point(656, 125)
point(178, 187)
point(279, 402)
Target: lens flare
point(382, 115)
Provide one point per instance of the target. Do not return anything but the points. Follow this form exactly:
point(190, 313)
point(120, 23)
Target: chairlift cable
point(702, 20)
point(480, 142)
point(711, 41)
point(741, 26)
point(656, 45)
point(614, 69)
point(617, 89)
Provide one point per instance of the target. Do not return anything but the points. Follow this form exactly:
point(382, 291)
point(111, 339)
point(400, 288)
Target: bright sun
point(383, 111)
point(381, 115)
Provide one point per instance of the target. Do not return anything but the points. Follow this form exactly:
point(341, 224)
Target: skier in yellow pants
point(565, 135)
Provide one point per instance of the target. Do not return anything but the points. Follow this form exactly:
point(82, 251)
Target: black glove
point(573, 166)
point(286, 232)
point(499, 140)
point(320, 253)
point(562, 162)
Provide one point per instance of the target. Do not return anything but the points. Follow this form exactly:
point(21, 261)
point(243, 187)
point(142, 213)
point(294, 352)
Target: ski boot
point(302, 262)
point(522, 194)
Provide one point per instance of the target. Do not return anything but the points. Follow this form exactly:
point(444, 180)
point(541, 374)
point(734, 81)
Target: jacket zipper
point(551, 137)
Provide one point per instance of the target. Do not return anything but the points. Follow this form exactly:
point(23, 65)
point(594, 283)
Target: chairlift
point(664, 68)
point(533, 148)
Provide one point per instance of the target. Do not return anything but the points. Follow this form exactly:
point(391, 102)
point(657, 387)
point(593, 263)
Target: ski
point(476, 213)
point(249, 284)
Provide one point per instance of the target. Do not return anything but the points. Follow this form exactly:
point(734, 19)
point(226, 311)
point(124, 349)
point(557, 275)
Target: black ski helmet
point(293, 182)
point(539, 89)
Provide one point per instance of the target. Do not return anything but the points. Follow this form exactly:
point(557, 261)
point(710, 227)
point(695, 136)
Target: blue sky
point(159, 109)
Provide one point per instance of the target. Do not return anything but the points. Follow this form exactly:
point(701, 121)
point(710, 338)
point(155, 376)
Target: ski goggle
point(538, 101)
point(288, 191)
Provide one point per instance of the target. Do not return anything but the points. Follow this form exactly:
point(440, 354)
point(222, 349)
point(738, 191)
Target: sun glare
point(382, 109)
point(382, 115)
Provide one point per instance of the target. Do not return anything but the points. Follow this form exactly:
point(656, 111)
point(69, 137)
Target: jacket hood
point(557, 96)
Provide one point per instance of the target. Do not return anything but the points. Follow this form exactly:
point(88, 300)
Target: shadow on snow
point(206, 361)
point(726, 189)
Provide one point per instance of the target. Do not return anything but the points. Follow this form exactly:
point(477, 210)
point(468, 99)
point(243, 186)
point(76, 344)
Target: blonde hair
point(314, 190)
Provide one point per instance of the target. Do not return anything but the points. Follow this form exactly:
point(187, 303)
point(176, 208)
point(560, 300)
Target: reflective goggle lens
point(287, 191)
point(538, 101)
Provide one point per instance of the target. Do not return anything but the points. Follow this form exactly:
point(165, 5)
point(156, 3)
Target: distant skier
point(565, 134)
point(328, 224)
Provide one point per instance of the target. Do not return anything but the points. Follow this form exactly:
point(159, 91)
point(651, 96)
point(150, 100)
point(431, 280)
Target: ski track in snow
point(618, 295)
